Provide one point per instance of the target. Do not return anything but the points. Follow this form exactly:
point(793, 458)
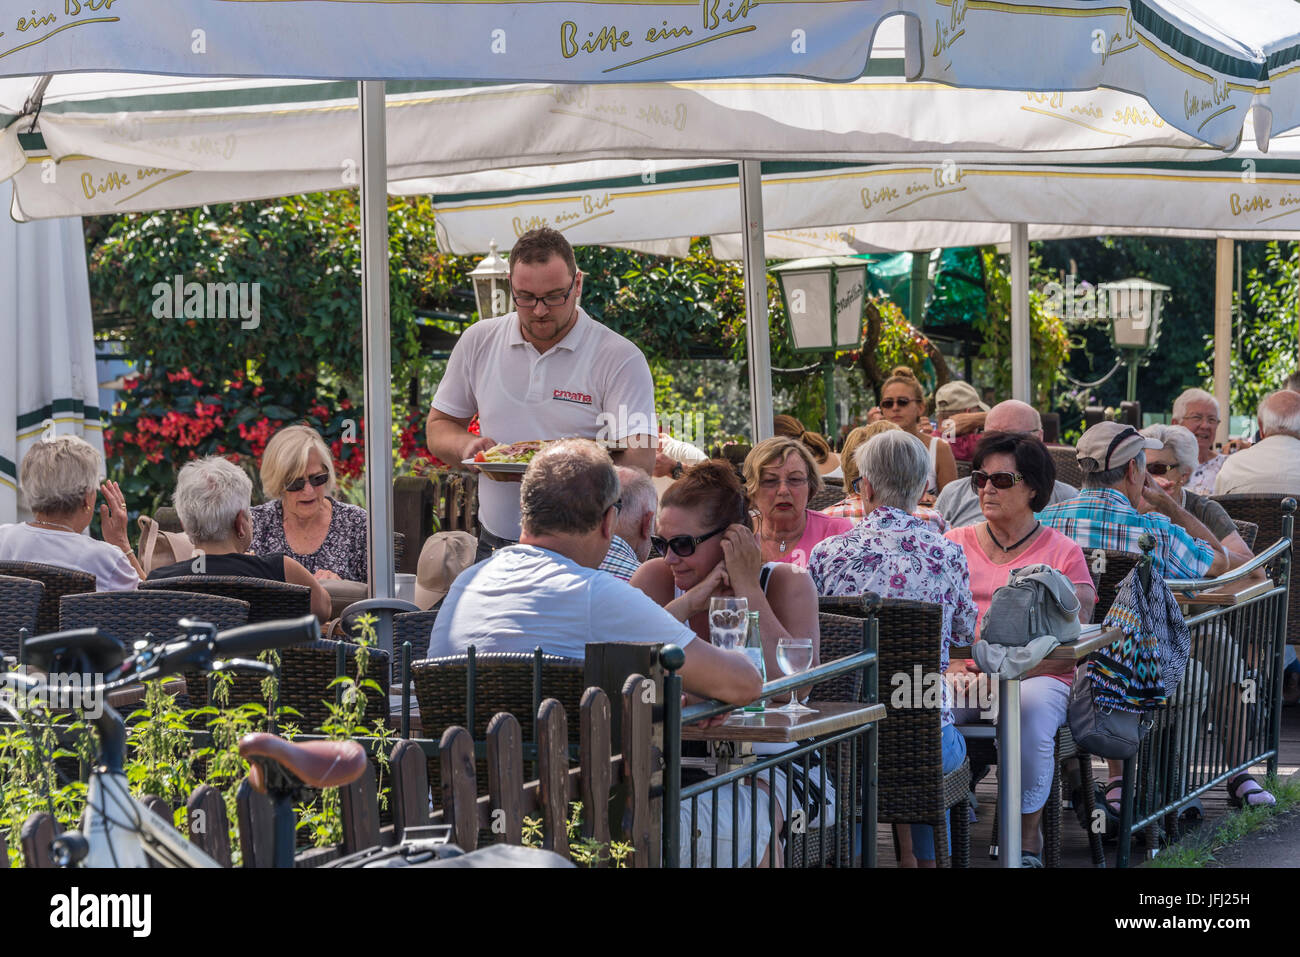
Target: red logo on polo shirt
point(581, 398)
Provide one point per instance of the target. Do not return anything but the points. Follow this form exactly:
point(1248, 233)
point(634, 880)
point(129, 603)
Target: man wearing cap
point(546, 371)
point(1120, 501)
point(954, 399)
point(959, 503)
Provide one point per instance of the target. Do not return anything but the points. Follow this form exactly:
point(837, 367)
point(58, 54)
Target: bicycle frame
point(122, 832)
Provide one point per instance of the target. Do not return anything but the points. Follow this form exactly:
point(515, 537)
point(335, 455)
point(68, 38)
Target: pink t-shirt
point(1049, 548)
point(818, 527)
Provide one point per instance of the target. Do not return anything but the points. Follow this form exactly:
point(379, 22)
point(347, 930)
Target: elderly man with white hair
point(630, 546)
point(59, 478)
point(959, 502)
point(212, 499)
point(1271, 465)
point(1198, 412)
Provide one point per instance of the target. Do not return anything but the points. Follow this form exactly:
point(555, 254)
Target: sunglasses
point(901, 403)
point(1159, 468)
point(1001, 480)
point(298, 484)
point(683, 545)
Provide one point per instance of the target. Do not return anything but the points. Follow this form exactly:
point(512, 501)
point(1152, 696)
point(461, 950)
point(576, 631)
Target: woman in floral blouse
point(893, 553)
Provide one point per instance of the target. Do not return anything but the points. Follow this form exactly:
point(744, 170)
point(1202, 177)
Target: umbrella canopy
point(47, 373)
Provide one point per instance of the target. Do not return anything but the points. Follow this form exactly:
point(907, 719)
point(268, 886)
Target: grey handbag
point(1103, 731)
point(1037, 600)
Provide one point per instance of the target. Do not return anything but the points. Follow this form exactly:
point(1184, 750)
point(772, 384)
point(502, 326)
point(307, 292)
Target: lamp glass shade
point(850, 288)
point(808, 304)
point(1134, 307)
point(491, 279)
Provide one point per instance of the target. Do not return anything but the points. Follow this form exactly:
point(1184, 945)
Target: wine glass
point(794, 655)
point(728, 622)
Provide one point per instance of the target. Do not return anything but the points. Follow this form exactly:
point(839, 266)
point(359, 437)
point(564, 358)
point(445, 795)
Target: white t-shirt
point(1271, 465)
point(525, 596)
point(51, 546)
point(592, 384)
point(678, 451)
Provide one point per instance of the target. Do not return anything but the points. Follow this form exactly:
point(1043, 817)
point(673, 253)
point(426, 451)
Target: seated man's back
point(525, 596)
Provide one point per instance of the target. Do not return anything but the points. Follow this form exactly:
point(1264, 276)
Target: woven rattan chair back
point(267, 600)
point(841, 636)
point(1265, 511)
point(131, 615)
point(57, 582)
point(829, 495)
point(1248, 531)
point(1066, 460)
point(1109, 569)
point(20, 602)
point(415, 627)
point(963, 469)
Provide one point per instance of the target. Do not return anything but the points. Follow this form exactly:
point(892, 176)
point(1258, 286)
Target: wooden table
point(1232, 594)
point(772, 727)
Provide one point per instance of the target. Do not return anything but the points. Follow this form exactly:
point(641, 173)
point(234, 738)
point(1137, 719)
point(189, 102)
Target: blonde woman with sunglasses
point(302, 519)
point(902, 401)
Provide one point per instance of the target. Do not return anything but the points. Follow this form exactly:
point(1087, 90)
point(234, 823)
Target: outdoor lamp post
point(1134, 308)
point(492, 284)
point(823, 303)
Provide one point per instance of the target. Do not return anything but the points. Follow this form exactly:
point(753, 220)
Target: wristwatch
point(676, 473)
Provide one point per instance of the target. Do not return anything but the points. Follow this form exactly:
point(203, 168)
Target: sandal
point(1030, 860)
point(1241, 790)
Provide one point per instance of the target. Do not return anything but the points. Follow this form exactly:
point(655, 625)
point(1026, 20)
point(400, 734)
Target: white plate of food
point(507, 459)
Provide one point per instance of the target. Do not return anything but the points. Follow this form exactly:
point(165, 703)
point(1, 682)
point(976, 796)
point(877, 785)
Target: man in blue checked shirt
point(1119, 501)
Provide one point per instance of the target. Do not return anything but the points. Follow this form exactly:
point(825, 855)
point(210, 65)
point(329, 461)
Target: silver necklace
point(37, 521)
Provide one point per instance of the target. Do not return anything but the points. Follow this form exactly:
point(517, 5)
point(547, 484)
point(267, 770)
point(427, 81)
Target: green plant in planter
point(582, 850)
point(29, 780)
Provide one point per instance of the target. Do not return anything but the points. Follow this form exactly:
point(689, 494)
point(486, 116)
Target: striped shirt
point(1105, 518)
point(620, 561)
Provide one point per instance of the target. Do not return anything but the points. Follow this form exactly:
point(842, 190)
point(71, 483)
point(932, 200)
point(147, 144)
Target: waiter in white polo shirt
point(545, 371)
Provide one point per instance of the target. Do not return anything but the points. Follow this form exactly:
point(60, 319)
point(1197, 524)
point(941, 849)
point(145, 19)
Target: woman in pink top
point(1015, 476)
point(780, 477)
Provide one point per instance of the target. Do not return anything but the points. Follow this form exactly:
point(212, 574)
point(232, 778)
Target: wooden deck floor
point(1074, 849)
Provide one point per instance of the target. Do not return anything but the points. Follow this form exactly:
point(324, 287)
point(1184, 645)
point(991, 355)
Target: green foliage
point(29, 781)
point(586, 851)
point(1267, 353)
point(1049, 341)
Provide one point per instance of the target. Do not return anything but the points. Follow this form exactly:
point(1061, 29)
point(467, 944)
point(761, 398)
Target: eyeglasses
point(792, 482)
point(1159, 468)
point(1001, 480)
point(529, 301)
point(856, 485)
point(1196, 420)
point(683, 545)
point(298, 484)
point(901, 403)
point(617, 506)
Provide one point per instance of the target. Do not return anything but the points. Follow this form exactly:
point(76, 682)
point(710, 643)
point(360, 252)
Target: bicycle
point(119, 830)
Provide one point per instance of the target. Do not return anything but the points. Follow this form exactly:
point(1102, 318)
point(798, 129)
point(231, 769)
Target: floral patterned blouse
point(343, 552)
point(895, 555)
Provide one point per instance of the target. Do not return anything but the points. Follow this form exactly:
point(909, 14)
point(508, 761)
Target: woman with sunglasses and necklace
point(903, 402)
point(1015, 476)
point(303, 520)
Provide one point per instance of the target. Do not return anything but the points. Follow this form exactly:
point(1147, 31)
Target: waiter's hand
point(477, 443)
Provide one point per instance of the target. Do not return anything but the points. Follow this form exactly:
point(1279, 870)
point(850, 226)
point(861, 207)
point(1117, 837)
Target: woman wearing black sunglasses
point(303, 520)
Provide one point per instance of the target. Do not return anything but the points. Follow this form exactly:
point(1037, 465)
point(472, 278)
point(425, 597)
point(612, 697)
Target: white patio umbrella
point(47, 373)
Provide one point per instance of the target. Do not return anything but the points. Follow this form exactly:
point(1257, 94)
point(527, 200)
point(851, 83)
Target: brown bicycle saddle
point(317, 764)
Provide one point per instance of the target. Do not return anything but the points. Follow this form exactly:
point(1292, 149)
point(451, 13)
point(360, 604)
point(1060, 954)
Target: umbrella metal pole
point(757, 343)
point(1008, 836)
point(1020, 381)
point(377, 351)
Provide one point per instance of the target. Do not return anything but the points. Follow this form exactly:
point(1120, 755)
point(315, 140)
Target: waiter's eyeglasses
point(683, 545)
point(529, 301)
point(1001, 480)
point(298, 484)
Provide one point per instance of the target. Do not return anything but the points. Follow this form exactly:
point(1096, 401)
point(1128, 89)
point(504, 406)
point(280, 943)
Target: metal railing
point(1226, 713)
point(836, 772)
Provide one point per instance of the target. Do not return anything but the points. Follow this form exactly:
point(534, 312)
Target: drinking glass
point(794, 655)
point(728, 622)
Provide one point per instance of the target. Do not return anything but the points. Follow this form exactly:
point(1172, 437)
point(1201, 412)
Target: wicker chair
point(831, 493)
point(20, 601)
point(913, 787)
point(57, 581)
point(1109, 569)
point(1066, 459)
point(964, 469)
point(267, 600)
point(415, 627)
point(503, 682)
point(1265, 511)
point(1248, 531)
